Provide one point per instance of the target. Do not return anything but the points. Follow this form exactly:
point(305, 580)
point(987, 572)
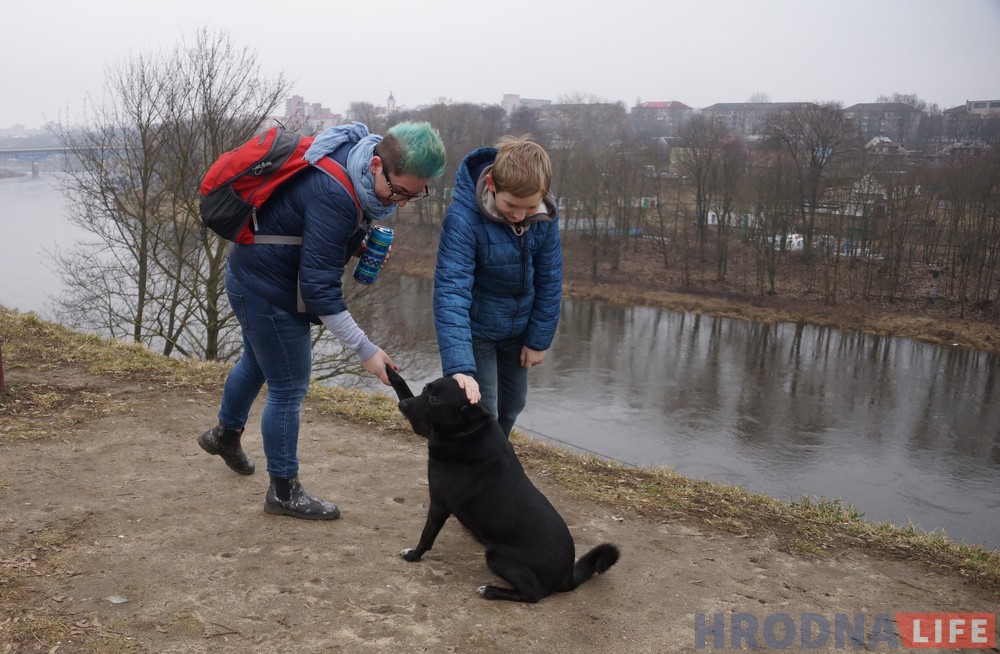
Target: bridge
point(32, 154)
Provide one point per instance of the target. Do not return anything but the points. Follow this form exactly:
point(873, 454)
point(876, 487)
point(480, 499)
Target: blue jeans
point(277, 349)
point(503, 382)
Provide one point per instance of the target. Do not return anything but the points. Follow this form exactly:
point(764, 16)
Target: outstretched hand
point(376, 364)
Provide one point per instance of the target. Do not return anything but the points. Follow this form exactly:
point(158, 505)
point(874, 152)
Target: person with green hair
point(277, 290)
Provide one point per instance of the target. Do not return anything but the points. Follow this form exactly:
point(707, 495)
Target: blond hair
point(522, 167)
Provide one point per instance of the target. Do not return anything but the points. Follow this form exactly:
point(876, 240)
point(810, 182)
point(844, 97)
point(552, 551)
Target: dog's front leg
point(437, 515)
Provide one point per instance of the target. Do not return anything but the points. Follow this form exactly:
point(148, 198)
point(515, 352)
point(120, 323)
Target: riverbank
point(121, 535)
point(640, 279)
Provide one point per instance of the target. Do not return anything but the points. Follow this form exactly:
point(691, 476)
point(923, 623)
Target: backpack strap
point(337, 172)
point(274, 239)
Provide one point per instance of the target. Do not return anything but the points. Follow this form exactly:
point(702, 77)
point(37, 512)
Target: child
point(498, 281)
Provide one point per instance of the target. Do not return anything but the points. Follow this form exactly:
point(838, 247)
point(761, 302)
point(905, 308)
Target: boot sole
point(277, 510)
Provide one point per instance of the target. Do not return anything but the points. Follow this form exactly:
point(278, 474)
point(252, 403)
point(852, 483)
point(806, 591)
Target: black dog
point(474, 475)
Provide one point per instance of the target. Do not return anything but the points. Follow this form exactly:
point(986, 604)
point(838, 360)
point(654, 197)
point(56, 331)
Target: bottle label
point(370, 262)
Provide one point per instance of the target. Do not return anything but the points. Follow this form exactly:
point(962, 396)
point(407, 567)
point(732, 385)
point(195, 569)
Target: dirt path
point(128, 506)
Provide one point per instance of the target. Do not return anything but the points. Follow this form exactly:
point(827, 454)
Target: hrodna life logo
point(720, 631)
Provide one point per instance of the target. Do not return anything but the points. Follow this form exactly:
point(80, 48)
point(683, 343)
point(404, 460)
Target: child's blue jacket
point(490, 282)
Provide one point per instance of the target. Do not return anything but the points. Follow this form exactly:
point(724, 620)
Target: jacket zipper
point(524, 260)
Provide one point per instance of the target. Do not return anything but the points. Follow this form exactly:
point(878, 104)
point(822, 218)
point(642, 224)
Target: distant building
point(982, 107)
point(885, 146)
point(975, 120)
point(747, 119)
point(308, 117)
point(512, 102)
point(895, 120)
point(659, 119)
point(295, 107)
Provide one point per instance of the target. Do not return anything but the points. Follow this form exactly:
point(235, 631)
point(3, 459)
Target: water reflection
point(904, 430)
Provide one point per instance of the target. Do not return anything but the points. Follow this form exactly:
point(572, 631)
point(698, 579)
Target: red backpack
point(241, 180)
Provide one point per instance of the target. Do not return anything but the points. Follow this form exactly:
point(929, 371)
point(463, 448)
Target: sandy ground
point(146, 516)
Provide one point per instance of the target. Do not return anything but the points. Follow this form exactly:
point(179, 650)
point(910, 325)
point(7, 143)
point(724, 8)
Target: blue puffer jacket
point(491, 283)
point(315, 206)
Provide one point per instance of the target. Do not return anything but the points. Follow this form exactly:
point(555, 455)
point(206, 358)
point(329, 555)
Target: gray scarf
point(358, 163)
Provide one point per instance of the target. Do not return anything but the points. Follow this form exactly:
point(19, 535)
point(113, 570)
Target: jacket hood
point(468, 175)
point(470, 190)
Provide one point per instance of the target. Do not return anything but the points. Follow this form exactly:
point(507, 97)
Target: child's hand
point(469, 385)
point(531, 357)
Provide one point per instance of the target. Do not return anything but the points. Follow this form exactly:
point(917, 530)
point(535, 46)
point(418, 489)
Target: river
point(904, 431)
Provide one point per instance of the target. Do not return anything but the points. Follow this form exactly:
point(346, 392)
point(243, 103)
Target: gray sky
point(699, 52)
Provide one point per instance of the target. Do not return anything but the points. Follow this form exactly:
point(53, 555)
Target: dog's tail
point(595, 562)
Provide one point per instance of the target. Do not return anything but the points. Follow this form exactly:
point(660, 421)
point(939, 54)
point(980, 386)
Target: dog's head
point(442, 409)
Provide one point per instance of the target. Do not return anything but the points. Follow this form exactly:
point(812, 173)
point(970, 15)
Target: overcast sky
point(55, 53)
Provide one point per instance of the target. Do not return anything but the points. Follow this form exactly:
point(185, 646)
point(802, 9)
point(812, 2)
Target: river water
point(905, 431)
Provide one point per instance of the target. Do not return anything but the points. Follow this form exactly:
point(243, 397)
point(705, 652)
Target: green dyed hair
point(413, 149)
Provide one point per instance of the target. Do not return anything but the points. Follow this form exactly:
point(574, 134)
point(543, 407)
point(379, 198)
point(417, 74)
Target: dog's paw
point(481, 590)
point(410, 554)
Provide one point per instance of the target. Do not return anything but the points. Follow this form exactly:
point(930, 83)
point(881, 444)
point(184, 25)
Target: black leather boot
point(298, 504)
point(225, 442)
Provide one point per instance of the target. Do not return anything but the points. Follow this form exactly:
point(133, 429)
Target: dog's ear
point(475, 412)
point(403, 391)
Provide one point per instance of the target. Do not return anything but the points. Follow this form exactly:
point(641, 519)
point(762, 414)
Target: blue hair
point(423, 153)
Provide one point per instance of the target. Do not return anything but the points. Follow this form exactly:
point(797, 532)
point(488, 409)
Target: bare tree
point(527, 120)
point(727, 180)
point(773, 196)
point(698, 160)
point(971, 186)
point(594, 175)
point(142, 155)
point(813, 137)
point(116, 192)
point(365, 112)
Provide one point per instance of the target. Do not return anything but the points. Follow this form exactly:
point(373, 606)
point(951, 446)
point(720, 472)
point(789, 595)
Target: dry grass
point(43, 409)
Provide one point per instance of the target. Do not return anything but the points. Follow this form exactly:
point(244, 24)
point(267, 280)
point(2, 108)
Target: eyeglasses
point(397, 196)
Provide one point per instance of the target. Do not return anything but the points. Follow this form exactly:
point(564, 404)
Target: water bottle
point(370, 262)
